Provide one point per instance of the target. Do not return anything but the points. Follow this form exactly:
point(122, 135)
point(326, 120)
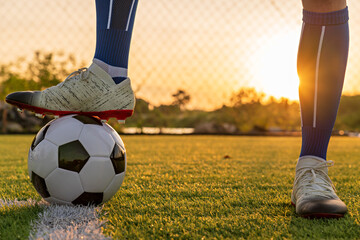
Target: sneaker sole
point(104, 115)
point(319, 215)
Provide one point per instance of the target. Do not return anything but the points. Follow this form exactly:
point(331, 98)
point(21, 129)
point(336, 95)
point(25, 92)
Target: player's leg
point(103, 89)
point(323, 6)
point(115, 22)
point(322, 59)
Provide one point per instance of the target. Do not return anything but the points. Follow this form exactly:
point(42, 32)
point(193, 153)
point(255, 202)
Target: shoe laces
point(82, 74)
point(314, 181)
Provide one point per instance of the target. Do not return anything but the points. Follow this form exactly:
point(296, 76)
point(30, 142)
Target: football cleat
point(88, 91)
point(313, 193)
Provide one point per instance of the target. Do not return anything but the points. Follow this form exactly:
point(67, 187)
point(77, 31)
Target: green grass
point(15, 184)
point(183, 187)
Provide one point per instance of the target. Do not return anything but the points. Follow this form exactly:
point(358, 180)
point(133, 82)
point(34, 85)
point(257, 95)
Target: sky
point(209, 48)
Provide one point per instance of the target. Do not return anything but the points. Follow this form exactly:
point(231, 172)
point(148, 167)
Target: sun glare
point(275, 66)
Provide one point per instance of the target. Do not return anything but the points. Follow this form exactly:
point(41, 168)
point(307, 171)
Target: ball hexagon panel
point(64, 185)
point(39, 136)
point(97, 174)
point(44, 158)
point(114, 186)
point(88, 120)
point(61, 119)
point(63, 130)
point(118, 159)
point(40, 185)
point(72, 156)
point(89, 199)
point(96, 141)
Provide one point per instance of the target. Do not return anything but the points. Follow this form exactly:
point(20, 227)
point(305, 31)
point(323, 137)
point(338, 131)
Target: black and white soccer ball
point(77, 160)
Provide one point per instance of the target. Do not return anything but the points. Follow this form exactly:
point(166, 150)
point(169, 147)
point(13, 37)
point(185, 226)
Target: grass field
point(183, 187)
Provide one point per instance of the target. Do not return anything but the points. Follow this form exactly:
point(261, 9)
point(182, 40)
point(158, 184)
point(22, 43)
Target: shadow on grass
point(15, 221)
point(343, 228)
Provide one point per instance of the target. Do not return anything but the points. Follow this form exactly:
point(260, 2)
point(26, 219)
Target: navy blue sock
point(115, 22)
point(322, 59)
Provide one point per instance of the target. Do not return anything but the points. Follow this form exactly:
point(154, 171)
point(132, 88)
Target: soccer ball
point(77, 159)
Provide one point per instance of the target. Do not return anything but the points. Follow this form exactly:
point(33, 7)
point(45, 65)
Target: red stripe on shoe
point(118, 114)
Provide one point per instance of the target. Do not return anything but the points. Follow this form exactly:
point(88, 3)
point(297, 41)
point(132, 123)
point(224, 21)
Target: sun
point(274, 66)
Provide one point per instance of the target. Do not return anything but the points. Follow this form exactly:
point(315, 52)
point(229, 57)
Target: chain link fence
point(209, 48)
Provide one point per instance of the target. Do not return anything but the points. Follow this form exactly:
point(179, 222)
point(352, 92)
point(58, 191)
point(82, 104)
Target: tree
point(246, 96)
point(43, 71)
point(181, 98)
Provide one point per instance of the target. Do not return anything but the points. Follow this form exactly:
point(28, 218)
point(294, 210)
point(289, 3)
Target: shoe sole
point(120, 115)
point(319, 215)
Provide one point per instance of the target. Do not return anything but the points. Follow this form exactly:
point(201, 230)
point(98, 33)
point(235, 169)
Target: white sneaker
point(313, 192)
point(88, 91)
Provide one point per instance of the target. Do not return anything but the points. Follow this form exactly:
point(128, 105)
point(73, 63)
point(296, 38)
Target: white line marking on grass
point(68, 222)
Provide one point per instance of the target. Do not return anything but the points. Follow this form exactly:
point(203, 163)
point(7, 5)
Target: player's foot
point(313, 192)
point(88, 91)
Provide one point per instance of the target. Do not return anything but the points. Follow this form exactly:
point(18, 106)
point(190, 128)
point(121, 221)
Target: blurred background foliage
point(209, 65)
point(248, 112)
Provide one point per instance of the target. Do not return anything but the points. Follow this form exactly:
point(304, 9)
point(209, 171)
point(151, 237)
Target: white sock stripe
point(111, 70)
point(130, 14)
point(301, 37)
point(110, 13)
point(302, 31)
point(317, 73)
